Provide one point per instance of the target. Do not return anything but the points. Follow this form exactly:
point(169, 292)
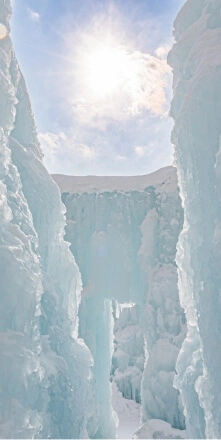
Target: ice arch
point(123, 233)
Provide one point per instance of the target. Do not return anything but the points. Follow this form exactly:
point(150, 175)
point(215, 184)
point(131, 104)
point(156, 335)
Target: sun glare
point(111, 80)
point(106, 70)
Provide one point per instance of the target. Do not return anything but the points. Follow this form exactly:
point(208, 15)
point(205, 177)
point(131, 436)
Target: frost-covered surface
point(196, 109)
point(123, 232)
point(44, 370)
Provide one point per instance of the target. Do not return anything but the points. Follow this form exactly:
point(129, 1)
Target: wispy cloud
point(35, 16)
point(119, 157)
point(51, 144)
point(57, 148)
point(162, 51)
point(109, 153)
point(140, 150)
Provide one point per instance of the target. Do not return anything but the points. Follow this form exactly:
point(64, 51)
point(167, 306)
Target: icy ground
point(158, 429)
point(128, 412)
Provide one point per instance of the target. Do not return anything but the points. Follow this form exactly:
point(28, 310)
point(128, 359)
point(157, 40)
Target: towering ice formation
point(123, 232)
point(196, 109)
point(44, 371)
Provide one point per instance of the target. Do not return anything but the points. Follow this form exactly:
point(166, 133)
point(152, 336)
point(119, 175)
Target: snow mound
point(158, 429)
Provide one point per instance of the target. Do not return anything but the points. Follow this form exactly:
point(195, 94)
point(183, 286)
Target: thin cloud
point(162, 51)
point(52, 141)
point(35, 16)
point(84, 151)
point(59, 147)
point(140, 151)
point(120, 157)
point(51, 144)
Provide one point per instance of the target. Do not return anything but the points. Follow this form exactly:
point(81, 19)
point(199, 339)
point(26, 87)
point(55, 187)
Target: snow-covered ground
point(130, 427)
point(128, 412)
point(156, 428)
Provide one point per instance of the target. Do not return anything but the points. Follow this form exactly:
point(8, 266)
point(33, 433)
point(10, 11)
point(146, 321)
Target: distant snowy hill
point(163, 180)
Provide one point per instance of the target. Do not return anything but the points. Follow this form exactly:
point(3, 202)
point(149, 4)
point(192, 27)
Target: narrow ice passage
point(56, 383)
point(123, 233)
point(124, 240)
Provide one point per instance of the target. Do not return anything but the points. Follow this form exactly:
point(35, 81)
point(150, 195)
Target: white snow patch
point(128, 412)
point(158, 429)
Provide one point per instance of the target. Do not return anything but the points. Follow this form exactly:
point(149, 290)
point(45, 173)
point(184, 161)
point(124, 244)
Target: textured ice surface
point(123, 232)
point(196, 109)
point(44, 371)
point(129, 354)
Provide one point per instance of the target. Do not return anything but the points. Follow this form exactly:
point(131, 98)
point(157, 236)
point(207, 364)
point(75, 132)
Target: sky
point(99, 83)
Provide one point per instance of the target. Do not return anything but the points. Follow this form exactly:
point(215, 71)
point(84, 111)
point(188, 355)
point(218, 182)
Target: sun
point(105, 70)
point(107, 78)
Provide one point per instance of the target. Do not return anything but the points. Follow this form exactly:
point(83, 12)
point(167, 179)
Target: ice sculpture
point(123, 232)
point(196, 109)
point(45, 373)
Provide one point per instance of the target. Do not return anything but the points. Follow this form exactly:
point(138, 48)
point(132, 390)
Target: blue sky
point(98, 80)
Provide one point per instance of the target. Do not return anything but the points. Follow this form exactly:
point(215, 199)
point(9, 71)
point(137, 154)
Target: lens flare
point(3, 31)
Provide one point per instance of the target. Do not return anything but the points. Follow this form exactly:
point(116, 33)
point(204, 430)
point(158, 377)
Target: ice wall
point(44, 371)
point(129, 352)
point(196, 109)
point(123, 232)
